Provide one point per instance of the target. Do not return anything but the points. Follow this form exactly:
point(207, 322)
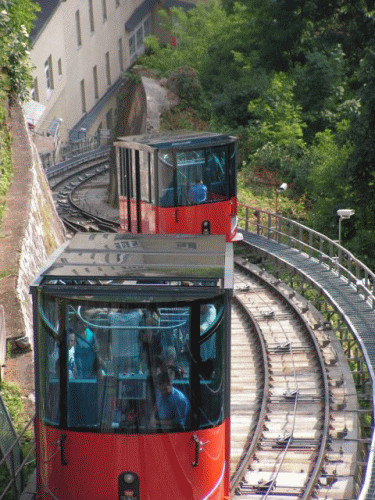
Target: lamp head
point(282, 188)
point(345, 213)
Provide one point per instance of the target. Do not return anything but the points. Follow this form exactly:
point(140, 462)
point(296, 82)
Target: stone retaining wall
point(43, 234)
point(30, 231)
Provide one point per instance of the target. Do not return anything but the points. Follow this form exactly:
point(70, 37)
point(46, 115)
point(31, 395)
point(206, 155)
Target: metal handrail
point(338, 260)
point(313, 244)
point(25, 460)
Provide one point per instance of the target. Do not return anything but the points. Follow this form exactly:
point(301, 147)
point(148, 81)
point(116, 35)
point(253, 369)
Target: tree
point(359, 170)
point(320, 89)
point(280, 118)
point(15, 67)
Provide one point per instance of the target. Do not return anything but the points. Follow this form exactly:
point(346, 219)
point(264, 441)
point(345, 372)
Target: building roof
point(139, 14)
point(47, 8)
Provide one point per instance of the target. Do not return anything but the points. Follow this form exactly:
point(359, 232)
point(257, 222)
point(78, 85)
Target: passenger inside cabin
point(85, 351)
point(72, 367)
point(172, 406)
point(197, 193)
point(170, 363)
point(150, 338)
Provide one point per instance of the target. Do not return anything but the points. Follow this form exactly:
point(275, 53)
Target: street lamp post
point(278, 190)
point(344, 214)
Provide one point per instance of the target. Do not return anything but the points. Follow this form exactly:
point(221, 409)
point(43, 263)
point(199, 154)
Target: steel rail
point(239, 473)
point(318, 465)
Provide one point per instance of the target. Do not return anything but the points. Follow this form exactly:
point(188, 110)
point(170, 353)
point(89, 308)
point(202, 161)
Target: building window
point(136, 39)
point(49, 75)
point(107, 68)
point(104, 8)
point(95, 77)
point(35, 90)
point(83, 96)
point(109, 120)
point(59, 67)
point(120, 55)
point(132, 45)
point(147, 27)
point(91, 17)
point(78, 29)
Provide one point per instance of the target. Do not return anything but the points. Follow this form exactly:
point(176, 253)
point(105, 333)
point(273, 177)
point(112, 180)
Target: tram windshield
point(131, 368)
point(196, 176)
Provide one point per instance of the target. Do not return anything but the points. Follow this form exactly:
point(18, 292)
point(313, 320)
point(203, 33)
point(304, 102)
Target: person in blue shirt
point(197, 193)
point(172, 406)
point(85, 353)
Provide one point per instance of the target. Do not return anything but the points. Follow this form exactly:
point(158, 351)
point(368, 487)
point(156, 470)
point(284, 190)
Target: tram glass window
point(118, 359)
point(212, 359)
point(146, 177)
point(166, 169)
point(48, 361)
point(179, 171)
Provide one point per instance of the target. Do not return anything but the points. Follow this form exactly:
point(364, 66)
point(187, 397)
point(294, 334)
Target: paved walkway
point(353, 308)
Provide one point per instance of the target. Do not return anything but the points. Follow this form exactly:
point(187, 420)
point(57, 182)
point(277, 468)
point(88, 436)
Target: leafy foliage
point(320, 89)
point(295, 80)
point(280, 117)
point(16, 18)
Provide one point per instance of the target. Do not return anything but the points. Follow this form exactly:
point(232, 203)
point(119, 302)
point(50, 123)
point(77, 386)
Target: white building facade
point(80, 50)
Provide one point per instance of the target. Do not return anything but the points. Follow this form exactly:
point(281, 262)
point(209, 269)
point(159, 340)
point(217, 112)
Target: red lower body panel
point(149, 219)
point(164, 464)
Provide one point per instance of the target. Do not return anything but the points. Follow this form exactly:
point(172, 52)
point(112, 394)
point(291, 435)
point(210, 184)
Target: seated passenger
point(170, 363)
point(197, 193)
point(85, 356)
point(72, 368)
point(172, 406)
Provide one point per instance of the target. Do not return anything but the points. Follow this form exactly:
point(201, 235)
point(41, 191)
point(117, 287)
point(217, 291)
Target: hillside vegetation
point(16, 18)
point(295, 81)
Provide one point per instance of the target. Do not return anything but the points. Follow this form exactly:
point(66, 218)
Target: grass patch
point(12, 396)
point(263, 197)
point(6, 166)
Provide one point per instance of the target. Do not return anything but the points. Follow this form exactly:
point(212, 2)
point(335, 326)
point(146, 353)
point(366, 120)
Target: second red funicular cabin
point(178, 183)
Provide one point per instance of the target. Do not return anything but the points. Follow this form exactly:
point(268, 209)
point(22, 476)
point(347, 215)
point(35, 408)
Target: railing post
point(247, 218)
point(257, 213)
point(320, 249)
point(269, 229)
point(290, 233)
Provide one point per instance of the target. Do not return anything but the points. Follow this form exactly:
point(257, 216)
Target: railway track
point(65, 184)
point(287, 396)
point(294, 431)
